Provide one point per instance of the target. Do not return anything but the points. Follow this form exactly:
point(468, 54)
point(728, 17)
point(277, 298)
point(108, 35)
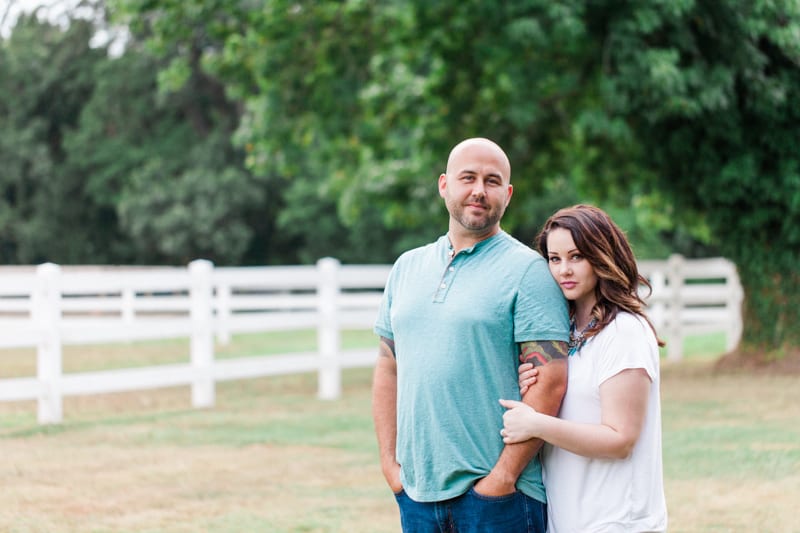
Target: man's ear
point(442, 184)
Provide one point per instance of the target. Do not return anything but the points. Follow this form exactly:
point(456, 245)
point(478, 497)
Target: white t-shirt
point(608, 495)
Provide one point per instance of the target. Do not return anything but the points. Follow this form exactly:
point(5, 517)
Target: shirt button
point(443, 285)
point(452, 269)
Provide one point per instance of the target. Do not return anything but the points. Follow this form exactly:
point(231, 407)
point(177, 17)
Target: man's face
point(476, 187)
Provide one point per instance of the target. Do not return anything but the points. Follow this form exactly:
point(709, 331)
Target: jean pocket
point(504, 498)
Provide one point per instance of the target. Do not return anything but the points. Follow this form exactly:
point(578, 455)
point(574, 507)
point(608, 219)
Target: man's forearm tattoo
point(389, 344)
point(542, 352)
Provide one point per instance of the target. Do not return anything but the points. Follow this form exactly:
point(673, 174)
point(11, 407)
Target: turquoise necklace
point(576, 338)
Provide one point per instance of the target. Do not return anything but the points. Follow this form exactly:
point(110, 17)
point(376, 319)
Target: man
point(457, 316)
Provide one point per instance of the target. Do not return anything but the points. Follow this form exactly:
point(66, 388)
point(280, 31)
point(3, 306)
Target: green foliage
point(191, 212)
point(712, 89)
point(163, 162)
point(45, 75)
point(350, 107)
point(137, 173)
point(283, 131)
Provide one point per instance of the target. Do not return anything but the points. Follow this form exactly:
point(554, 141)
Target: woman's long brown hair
point(607, 249)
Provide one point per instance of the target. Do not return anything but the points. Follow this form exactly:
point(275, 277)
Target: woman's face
point(573, 272)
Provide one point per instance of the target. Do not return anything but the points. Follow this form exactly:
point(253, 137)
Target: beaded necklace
point(576, 338)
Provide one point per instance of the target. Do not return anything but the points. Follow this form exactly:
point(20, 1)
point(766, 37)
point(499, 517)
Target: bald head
point(478, 145)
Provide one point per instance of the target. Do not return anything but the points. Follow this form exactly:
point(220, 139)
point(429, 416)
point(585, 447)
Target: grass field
point(271, 457)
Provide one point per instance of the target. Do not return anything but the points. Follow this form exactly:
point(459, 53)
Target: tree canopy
point(712, 90)
point(281, 131)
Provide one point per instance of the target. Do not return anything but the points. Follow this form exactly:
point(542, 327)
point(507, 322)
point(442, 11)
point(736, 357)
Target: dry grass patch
point(270, 457)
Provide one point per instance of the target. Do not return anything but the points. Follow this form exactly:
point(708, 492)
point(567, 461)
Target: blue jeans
point(473, 513)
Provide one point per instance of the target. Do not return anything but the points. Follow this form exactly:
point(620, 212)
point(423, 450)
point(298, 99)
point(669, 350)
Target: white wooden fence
point(694, 296)
point(50, 307)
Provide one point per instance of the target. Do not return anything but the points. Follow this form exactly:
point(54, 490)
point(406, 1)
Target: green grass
point(272, 457)
point(701, 347)
point(21, 362)
point(290, 341)
point(727, 444)
point(704, 347)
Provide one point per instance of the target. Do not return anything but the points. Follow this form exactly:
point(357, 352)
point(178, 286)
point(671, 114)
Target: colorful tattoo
point(541, 353)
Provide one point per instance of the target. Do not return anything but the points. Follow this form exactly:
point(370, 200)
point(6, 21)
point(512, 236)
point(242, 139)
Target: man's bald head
point(479, 144)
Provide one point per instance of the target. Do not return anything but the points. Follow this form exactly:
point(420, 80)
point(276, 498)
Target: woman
point(602, 464)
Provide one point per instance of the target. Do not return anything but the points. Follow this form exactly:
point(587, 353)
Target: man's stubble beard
point(471, 223)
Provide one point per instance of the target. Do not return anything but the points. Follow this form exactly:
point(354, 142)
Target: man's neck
point(465, 239)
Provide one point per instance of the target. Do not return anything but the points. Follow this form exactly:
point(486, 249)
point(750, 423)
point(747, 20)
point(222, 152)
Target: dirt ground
point(739, 362)
point(89, 487)
point(116, 468)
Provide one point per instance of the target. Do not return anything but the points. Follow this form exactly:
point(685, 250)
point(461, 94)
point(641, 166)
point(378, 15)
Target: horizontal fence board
point(705, 294)
point(707, 268)
point(359, 300)
point(359, 358)
point(156, 280)
point(161, 304)
point(15, 305)
point(360, 276)
point(19, 389)
point(17, 284)
point(694, 294)
point(104, 331)
point(286, 277)
point(357, 319)
point(715, 316)
point(126, 379)
point(248, 323)
point(19, 333)
point(245, 302)
point(265, 365)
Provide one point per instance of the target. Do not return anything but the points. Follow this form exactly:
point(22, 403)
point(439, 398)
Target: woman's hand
point(527, 375)
point(520, 423)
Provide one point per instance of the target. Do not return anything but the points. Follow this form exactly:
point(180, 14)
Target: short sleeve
point(541, 310)
point(383, 322)
point(628, 343)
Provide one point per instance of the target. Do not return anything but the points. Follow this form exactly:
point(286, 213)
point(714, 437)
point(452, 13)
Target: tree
point(161, 167)
point(100, 166)
point(45, 78)
point(350, 107)
point(711, 89)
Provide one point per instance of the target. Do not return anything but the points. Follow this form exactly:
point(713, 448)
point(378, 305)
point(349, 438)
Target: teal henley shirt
point(456, 322)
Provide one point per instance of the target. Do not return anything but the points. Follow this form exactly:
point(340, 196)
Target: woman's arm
point(623, 405)
point(546, 397)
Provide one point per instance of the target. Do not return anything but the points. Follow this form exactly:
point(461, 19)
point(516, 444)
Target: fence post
point(734, 304)
point(674, 330)
point(657, 311)
point(127, 302)
point(46, 311)
point(202, 338)
point(223, 312)
point(328, 337)
point(128, 312)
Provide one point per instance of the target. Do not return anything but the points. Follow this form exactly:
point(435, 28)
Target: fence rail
point(50, 306)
